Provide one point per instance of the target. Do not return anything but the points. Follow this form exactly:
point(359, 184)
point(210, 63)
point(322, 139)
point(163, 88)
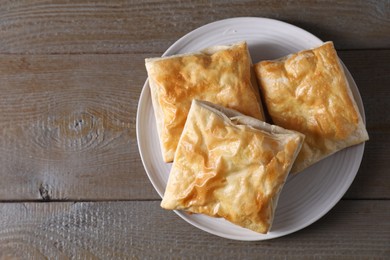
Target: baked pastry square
point(308, 92)
point(219, 74)
point(231, 166)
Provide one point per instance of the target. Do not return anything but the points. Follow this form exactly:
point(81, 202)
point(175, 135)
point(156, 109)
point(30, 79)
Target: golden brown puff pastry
point(308, 92)
point(231, 166)
point(220, 74)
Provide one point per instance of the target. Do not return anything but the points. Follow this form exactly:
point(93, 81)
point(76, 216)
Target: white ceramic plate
point(305, 197)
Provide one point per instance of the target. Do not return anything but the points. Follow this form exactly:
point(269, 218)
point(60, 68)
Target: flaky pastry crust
point(308, 92)
point(231, 166)
point(219, 74)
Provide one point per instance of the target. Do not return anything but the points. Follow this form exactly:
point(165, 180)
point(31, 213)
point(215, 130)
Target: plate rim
point(182, 39)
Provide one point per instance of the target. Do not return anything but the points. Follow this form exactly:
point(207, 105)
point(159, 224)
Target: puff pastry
point(219, 74)
point(231, 166)
point(308, 92)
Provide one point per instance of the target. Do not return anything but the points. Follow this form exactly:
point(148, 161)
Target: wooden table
point(72, 184)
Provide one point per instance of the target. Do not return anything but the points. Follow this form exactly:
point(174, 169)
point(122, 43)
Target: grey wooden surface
point(72, 185)
point(140, 229)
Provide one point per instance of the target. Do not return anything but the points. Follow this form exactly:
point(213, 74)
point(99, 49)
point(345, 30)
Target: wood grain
point(67, 126)
point(71, 73)
point(42, 27)
point(123, 230)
